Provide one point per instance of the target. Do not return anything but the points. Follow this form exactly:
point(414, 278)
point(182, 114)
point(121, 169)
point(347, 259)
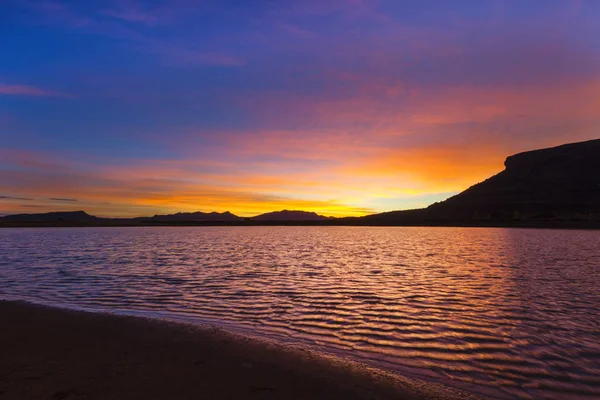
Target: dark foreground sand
point(52, 354)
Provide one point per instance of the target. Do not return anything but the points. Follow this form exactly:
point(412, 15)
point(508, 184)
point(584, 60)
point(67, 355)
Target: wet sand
point(53, 354)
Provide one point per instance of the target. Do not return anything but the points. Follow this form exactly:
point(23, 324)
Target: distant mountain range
point(69, 216)
point(193, 217)
point(552, 187)
point(286, 215)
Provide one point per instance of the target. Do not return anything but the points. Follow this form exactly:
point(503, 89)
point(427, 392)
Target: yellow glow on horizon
point(443, 142)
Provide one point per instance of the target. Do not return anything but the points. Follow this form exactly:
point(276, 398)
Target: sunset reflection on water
point(502, 312)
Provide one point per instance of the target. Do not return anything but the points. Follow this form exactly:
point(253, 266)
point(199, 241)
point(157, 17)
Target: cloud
point(94, 21)
point(313, 8)
point(23, 90)
point(177, 55)
point(133, 11)
point(61, 199)
point(14, 198)
point(133, 189)
point(152, 13)
point(133, 16)
point(345, 105)
point(296, 31)
point(425, 141)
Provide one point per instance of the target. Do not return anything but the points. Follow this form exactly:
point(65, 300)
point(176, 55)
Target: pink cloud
point(191, 57)
point(133, 16)
point(23, 90)
point(316, 7)
point(139, 191)
point(182, 54)
point(296, 31)
point(134, 11)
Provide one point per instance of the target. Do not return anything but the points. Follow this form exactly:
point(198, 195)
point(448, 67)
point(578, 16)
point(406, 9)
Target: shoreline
point(54, 353)
point(552, 225)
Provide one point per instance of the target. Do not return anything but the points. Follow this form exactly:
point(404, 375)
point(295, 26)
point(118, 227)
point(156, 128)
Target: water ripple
point(506, 313)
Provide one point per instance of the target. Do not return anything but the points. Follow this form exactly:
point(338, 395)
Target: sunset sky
point(343, 107)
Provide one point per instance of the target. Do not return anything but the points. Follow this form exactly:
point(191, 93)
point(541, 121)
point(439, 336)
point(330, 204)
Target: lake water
point(505, 313)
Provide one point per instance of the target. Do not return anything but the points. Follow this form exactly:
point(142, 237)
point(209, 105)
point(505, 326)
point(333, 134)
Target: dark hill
point(195, 217)
point(554, 187)
point(560, 180)
point(67, 216)
point(556, 183)
point(287, 215)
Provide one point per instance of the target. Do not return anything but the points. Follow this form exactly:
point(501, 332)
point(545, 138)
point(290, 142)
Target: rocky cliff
point(555, 183)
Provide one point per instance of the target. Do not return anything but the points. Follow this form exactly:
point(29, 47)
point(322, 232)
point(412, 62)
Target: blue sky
point(344, 107)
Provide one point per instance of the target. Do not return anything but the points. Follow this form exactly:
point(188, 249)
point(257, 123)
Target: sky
point(342, 107)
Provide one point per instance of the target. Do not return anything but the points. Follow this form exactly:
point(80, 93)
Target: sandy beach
point(49, 353)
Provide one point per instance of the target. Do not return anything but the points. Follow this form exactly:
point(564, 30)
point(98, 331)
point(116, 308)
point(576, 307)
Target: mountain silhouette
point(66, 216)
point(547, 187)
point(558, 182)
point(288, 215)
point(195, 217)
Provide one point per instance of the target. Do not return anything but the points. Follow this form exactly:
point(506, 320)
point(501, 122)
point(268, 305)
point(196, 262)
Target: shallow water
point(506, 313)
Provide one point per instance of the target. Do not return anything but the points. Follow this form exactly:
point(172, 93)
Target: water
point(505, 313)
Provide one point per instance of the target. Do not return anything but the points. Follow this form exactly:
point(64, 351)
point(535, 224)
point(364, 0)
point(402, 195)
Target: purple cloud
point(181, 55)
point(23, 90)
point(95, 22)
point(15, 198)
point(133, 11)
point(62, 199)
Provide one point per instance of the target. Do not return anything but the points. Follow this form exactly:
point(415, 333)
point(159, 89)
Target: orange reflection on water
point(502, 312)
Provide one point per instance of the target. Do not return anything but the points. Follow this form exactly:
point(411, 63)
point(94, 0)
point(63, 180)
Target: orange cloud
point(407, 143)
point(431, 170)
point(382, 149)
point(113, 195)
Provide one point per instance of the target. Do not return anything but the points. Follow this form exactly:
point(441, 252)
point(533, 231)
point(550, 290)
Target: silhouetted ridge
point(287, 215)
point(196, 217)
point(558, 182)
point(69, 216)
point(544, 186)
